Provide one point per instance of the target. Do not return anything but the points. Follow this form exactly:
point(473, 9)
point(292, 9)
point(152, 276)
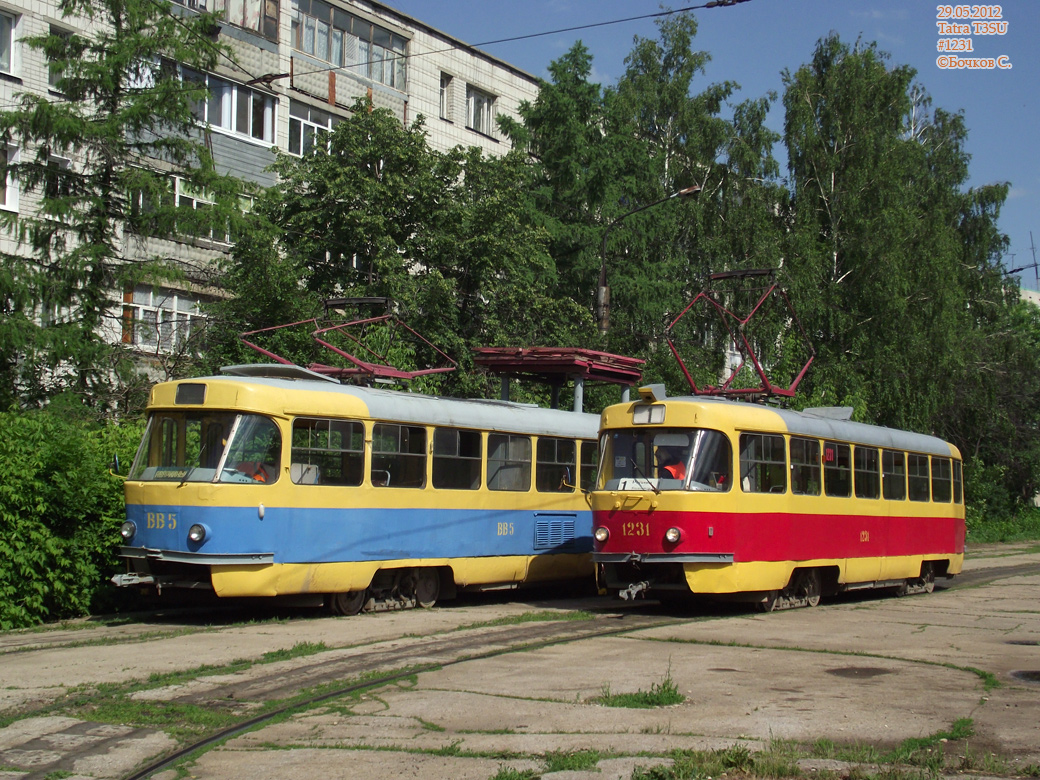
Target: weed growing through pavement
point(662, 694)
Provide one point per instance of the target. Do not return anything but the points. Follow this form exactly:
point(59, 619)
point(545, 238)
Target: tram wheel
point(427, 587)
point(768, 603)
point(808, 587)
point(349, 603)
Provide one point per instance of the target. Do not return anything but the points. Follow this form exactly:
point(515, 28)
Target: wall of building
point(442, 76)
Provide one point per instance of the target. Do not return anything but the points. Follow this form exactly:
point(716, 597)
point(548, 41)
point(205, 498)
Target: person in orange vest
point(669, 464)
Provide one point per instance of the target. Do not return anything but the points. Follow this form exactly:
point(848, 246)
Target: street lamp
point(603, 291)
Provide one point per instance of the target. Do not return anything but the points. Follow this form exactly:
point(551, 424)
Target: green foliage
point(465, 263)
point(662, 694)
point(572, 761)
point(508, 773)
point(119, 108)
point(60, 512)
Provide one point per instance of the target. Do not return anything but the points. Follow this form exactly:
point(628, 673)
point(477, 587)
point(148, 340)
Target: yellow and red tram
point(728, 499)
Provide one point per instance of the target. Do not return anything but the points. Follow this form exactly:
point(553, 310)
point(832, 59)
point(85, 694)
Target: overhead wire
point(514, 38)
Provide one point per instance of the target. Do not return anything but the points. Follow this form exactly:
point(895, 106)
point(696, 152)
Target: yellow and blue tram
point(276, 481)
point(710, 497)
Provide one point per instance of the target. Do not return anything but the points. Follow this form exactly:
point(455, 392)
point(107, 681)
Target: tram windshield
point(665, 459)
point(205, 446)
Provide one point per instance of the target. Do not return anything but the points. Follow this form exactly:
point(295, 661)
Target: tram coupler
point(634, 590)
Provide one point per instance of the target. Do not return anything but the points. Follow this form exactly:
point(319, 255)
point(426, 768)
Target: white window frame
point(447, 92)
point(9, 23)
point(52, 78)
point(480, 111)
point(307, 126)
point(321, 35)
point(59, 166)
point(159, 319)
point(224, 110)
point(9, 191)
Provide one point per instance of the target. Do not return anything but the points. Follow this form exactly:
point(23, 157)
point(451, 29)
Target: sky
point(753, 42)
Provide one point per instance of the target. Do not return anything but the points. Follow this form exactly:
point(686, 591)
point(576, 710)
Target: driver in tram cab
point(670, 464)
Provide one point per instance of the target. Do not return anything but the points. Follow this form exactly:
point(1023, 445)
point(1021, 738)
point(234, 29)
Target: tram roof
point(298, 396)
point(819, 426)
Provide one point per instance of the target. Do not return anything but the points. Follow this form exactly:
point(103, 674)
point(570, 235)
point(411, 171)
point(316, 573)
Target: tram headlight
point(672, 535)
point(601, 534)
point(197, 533)
point(128, 530)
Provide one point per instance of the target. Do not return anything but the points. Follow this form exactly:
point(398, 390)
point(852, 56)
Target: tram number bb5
point(160, 520)
point(505, 529)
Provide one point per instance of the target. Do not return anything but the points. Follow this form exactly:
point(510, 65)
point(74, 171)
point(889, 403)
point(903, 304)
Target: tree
point(95, 165)
point(375, 212)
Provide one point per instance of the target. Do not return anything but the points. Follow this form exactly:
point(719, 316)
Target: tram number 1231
point(635, 529)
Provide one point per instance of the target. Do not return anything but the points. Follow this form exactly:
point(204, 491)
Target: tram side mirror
point(114, 469)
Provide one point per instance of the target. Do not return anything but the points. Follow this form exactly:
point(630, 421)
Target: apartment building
point(297, 67)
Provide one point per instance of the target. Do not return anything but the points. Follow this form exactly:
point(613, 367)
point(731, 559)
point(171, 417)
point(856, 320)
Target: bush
point(60, 512)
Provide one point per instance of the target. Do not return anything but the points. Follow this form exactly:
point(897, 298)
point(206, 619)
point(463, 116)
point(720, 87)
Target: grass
point(662, 694)
point(507, 773)
point(572, 761)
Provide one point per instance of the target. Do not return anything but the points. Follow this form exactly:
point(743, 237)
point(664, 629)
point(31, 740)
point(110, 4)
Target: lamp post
point(603, 291)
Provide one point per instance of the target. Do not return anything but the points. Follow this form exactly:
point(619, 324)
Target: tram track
point(252, 696)
point(435, 653)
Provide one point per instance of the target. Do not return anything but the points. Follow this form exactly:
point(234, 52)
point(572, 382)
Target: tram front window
point(208, 447)
point(665, 459)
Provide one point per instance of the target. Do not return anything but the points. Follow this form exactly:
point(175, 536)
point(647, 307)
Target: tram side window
point(254, 453)
point(837, 469)
point(763, 463)
point(958, 496)
point(868, 478)
point(589, 464)
point(942, 480)
point(893, 475)
point(398, 456)
point(917, 473)
point(456, 459)
point(555, 465)
point(327, 452)
point(509, 462)
point(805, 467)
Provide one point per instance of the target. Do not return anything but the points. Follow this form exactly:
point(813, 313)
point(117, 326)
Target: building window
point(257, 15)
point(54, 73)
point(233, 107)
point(159, 320)
point(480, 111)
point(8, 186)
point(58, 183)
point(305, 122)
point(348, 41)
point(447, 91)
point(7, 38)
